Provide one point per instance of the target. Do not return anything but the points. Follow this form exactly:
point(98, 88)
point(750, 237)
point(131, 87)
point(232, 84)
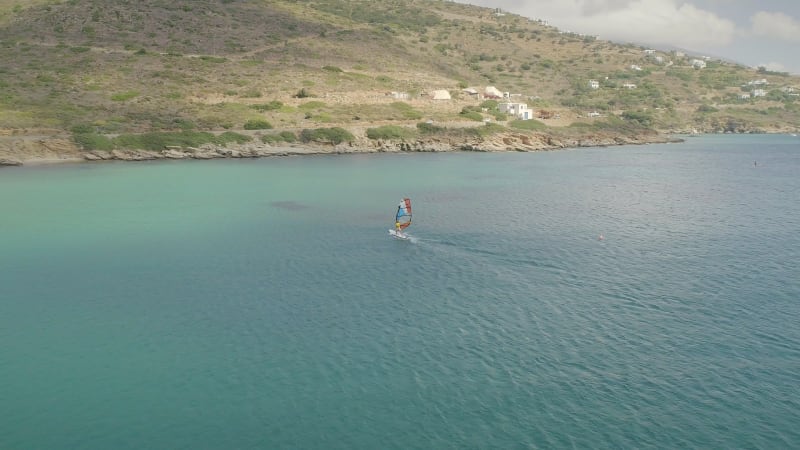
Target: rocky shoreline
point(43, 150)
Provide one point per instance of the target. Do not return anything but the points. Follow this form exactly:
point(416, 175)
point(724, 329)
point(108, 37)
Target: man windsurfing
point(402, 218)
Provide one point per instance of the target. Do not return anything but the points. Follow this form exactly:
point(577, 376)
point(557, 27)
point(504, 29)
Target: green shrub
point(83, 128)
point(487, 130)
point(311, 105)
point(184, 124)
point(483, 131)
point(124, 96)
point(257, 124)
point(530, 125)
point(472, 115)
point(93, 141)
point(271, 106)
point(499, 116)
point(303, 93)
point(332, 69)
point(214, 59)
point(706, 109)
point(229, 136)
point(641, 117)
point(429, 128)
point(160, 140)
point(389, 132)
point(288, 136)
point(283, 136)
point(333, 135)
point(406, 111)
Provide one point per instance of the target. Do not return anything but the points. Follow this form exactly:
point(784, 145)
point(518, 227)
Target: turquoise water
point(262, 304)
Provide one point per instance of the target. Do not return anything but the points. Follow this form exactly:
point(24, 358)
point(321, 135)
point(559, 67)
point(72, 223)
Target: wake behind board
point(398, 235)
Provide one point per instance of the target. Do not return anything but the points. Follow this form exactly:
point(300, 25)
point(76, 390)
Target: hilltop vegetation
point(140, 66)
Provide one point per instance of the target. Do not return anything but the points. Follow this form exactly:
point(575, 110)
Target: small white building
point(745, 96)
point(399, 95)
point(594, 84)
point(759, 92)
point(440, 94)
point(593, 114)
point(636, 67)
point(659, 59)
point(629, 85)
point(649, 51)
point(518, 110)
point(698, 64)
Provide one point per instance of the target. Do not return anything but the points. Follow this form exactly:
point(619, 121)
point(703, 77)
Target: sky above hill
point(752, 32)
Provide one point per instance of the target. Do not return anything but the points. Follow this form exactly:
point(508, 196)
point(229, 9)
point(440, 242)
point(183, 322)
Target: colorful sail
point(403, 217)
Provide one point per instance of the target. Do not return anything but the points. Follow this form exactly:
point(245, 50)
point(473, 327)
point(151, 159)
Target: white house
point(745, 96)
point(593, 114)
point(518, 110)
point(649, 51)
point(698, 64)
point(440, 94)
point(629, 86)
point(635, 67)
point(594, 84)
point(759, 93)
point(399, 95)
point(659, 59)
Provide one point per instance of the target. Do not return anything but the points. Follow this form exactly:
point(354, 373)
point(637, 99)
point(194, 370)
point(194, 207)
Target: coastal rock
point(10, 162)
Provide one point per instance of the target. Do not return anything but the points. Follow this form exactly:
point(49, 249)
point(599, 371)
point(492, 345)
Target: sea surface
point(625, 297)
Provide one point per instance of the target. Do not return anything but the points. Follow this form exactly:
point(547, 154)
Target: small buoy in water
point(600, 238)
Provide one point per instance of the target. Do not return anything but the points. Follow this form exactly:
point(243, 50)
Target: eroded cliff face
point(28, 149)
point(31, 150)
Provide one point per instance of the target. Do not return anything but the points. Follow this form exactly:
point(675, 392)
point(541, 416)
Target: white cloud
point(647, 21)
point(776, 25)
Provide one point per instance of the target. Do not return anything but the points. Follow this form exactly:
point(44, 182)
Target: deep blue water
point(262, 304)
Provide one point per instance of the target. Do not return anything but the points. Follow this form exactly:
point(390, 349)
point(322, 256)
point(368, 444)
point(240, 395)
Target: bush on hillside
point(429, 128)
point(529, 125)
point(283, 136)
point(471, 115)
point(333, 135)
point(229, 136)
point(257, 124)
point(93, 141)
point(389, 132)
point(271, 106)
point(642, 118)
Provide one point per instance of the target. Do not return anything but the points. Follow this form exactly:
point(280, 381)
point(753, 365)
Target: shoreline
point(42, 150)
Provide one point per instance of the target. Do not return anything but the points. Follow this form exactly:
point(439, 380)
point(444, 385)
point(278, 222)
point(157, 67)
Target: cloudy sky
point(752, 32)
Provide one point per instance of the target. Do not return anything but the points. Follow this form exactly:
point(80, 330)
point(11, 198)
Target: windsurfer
point(397, 227)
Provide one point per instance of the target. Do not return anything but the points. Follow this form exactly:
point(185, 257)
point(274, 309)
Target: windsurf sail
point(403, 217)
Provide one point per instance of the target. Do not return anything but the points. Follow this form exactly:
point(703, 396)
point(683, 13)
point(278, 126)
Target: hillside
point(124, 66)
